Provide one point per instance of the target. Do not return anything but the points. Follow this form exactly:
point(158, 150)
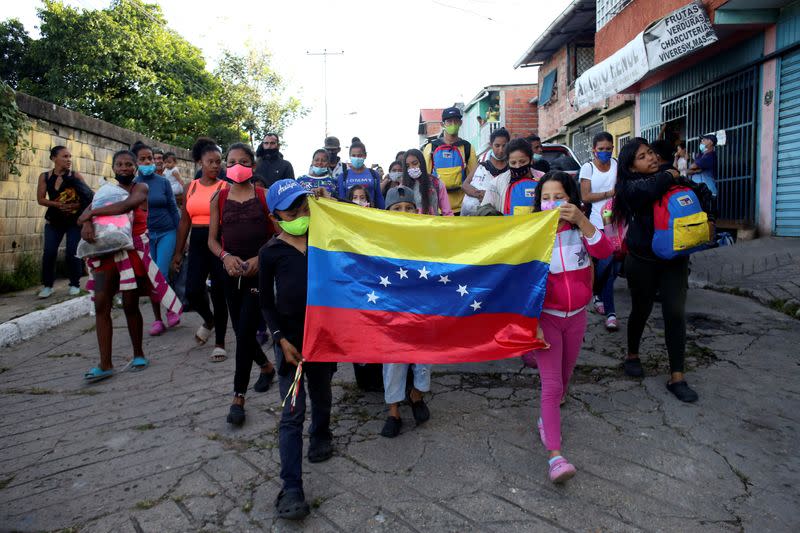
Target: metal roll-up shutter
point(787, 187)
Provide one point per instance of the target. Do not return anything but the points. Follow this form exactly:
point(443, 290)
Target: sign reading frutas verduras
point(627, 66)
point(678, 34)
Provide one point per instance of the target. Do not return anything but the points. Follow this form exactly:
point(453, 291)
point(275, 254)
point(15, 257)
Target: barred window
point(584, 59)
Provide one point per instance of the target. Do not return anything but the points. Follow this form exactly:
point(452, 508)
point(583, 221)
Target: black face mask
point(125, 180)
point(333, 158)
point(270, 152)
point(519, 172)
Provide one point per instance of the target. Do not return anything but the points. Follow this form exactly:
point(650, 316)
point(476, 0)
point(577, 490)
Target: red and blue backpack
point(519, 197)
point(680, 223)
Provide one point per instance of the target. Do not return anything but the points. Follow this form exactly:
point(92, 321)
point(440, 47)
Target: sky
point(399, 56)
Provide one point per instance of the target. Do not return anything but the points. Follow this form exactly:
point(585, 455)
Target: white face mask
point(414, 173)
point(395, 176)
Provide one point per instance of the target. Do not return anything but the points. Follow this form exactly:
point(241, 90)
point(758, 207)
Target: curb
point(30, 325)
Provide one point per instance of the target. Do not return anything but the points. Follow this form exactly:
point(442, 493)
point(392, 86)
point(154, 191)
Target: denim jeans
point(162, 246)
point(394, 380)
point(318, 377)
point(53, 235)
point(608, 268)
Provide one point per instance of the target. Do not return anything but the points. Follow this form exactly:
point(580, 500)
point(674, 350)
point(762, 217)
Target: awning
point(576, 19)
point(680, 33)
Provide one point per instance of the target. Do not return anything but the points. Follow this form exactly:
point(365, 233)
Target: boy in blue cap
point(283, 273)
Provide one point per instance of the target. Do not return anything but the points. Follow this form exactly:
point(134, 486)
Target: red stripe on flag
point(353, 335)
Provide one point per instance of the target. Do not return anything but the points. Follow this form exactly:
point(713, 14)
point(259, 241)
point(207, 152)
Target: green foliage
point(25, 275)
point(123, 65)
point(14, 46)
point(13, 124)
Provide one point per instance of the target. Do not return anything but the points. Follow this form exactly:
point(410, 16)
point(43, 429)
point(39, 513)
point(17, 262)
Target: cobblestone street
point(152, 452)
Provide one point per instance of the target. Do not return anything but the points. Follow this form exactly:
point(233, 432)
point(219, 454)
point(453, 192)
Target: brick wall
point(92, 143)
point(521, 117)
point(635, 18)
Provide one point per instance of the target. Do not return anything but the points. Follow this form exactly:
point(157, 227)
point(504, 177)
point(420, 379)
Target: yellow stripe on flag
point(491, 240)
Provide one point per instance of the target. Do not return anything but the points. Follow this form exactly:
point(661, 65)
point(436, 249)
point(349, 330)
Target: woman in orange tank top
point(202, 264)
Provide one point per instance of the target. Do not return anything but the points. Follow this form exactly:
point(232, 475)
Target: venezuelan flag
point(387, 287)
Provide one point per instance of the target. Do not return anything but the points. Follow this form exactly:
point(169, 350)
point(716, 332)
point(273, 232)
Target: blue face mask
point(603, 157)
point(357, 162)
point(537, 157)
point(319, 171)
point(146, 170)
point(702, 148)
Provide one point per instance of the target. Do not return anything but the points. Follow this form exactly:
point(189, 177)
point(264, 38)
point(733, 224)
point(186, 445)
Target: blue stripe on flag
point(353, 281)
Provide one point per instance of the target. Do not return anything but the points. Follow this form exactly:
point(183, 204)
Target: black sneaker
point(633, 368)
point(391, 428)
point(291, 505)
point(264, 381)
point(420, 411)
point(682, 391)
point(320, 451)
point(236, 415)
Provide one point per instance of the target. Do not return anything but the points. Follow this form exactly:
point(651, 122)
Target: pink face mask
point(547, 205)
point(239, 173)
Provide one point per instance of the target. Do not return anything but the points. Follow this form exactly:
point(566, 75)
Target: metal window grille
point(582, 141)
point(729, 104)
point(584, 59)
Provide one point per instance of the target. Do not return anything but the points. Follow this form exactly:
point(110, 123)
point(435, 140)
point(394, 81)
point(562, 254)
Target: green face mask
point(298, 226)
point(452, 129)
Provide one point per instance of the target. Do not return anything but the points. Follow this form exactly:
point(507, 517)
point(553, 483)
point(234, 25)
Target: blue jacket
point(162, 211)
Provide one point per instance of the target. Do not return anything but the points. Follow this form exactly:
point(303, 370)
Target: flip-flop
point(139, 363)
point(96, 374)
point(218, 355)
point(202, 334)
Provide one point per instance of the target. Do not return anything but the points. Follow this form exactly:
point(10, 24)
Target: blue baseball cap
point(283, 193)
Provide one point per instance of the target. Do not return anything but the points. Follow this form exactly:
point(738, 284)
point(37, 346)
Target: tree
point(122, 65)
point(253, 91)
point(14, 46)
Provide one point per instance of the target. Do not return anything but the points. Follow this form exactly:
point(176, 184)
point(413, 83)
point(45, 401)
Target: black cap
point(711, 137)
point(451, 112)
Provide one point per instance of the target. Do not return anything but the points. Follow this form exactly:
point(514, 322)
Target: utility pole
point(325, 53)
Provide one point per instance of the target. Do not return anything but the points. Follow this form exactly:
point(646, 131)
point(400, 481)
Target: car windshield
point(560, 159)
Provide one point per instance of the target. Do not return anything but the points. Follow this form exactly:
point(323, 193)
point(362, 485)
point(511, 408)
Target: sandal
point(96, 374)
point(139, 363)
point(218, 354)
point(202, 334)
point(291, 505)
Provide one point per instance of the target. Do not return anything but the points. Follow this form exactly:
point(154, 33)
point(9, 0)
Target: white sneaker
point(74, 291)
point(46, 292)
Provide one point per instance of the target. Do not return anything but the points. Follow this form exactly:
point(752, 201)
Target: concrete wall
point(92, 143)
point(634, 18)
point(766, 133)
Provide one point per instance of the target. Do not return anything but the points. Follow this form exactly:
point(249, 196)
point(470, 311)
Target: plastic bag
point(613, 231)
point(112, 233)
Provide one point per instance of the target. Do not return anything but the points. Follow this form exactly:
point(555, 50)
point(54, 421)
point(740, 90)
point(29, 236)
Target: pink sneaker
point(173, 319)
point(611, 323)
point(599, 308)
point(157, 328)
point(560, 469)
point(540, 425)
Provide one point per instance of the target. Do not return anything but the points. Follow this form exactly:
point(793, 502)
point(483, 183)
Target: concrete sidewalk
point(766, 269)
point(151, 452)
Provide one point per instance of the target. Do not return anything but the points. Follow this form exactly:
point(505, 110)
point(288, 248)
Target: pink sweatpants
point(565, 336)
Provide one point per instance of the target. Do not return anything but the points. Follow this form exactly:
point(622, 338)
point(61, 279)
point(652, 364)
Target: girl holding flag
point(563, 319)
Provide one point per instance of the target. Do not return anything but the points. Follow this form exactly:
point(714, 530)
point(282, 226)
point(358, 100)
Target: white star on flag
point(444, 279)
point(372, 297)
point(423, 272)
point(475, 305)
point(402, 273)
point(385, 281)
point(462, 290)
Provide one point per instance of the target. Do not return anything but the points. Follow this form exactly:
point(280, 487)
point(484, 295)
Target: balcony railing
point(486, 132)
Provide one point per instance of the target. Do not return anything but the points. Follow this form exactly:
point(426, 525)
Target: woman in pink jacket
point(563, 318)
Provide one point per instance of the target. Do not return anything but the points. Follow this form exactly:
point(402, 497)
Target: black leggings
point(670, 278)
point(202, 265)
point(245, 311)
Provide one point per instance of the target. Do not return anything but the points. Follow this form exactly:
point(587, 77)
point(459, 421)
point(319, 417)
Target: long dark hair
point(568, 182)
point(627, 155)
point(425, 181)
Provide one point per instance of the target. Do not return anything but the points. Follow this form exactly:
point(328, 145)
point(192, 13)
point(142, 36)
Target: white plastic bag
point(112, 233)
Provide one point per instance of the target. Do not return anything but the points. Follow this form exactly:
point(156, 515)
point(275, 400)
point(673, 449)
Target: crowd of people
point(236, 235)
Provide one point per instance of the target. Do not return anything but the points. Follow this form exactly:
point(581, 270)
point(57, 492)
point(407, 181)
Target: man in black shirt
point(539, 162)
point(271, 165)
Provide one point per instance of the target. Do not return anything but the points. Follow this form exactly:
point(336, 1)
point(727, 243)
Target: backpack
point(448, 164)
point(519, 197)
point(261, 194)
point(614, 232)
point(681, 226)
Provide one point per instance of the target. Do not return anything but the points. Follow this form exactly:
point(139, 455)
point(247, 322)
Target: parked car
point(561, 157)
